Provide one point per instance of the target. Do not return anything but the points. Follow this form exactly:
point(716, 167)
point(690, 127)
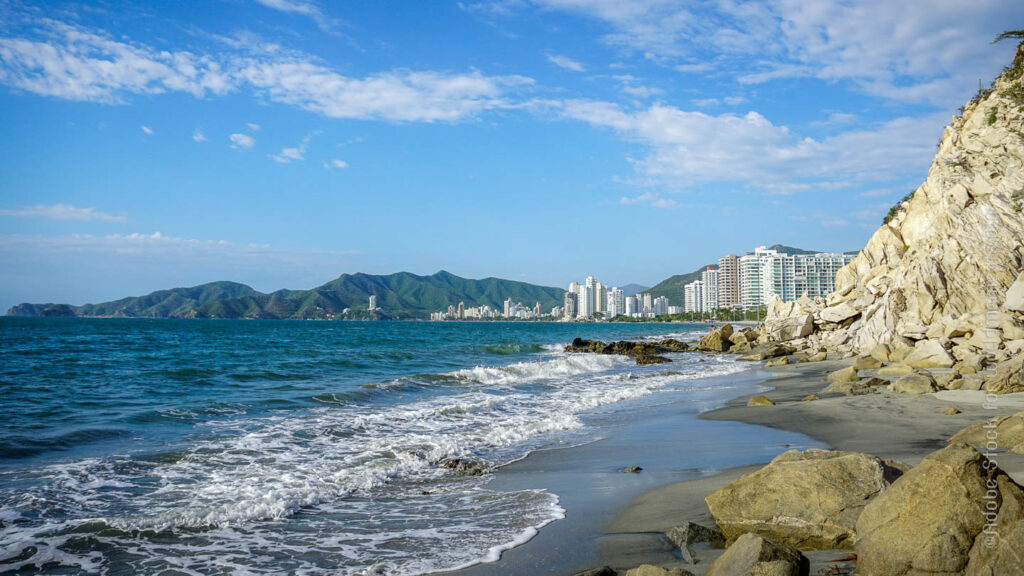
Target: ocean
point(263, 447)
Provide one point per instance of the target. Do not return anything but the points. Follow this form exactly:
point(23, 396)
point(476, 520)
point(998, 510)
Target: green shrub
point(992, 117)
point(896, 209)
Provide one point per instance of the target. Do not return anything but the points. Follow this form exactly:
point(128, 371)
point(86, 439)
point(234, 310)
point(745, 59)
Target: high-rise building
point(660, 306)
point(648, 303)
point(508, 308)
point(769, 273)
point(373, 303)
point(588, 298)
point(710, 278)
point(571, 299)
point(693, 296)
point(616, 302)
point(600, 298)
point(632, 305)
point(536, 309)
point(462, 310)
point(729, 282)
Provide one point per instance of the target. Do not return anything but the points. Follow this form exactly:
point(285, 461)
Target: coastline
point(885, 424)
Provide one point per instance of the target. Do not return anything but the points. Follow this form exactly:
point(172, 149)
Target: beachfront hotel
point(750, 281)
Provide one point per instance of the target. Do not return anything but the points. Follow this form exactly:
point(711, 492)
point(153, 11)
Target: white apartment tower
point(373, 303)
point(710, 278)
point(693, 296)
point(632, 305)
point(660, 306)
point(616, 302)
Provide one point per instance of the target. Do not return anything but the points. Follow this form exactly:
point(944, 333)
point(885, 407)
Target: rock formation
point(941, 283)
point(810, 500)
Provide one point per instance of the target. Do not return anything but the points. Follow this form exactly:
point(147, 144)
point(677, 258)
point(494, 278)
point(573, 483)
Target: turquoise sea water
point(238, 447)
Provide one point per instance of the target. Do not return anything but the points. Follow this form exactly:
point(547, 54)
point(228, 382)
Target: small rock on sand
point(760, 400)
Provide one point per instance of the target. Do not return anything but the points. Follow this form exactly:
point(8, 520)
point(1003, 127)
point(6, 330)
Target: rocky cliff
point(943, 276)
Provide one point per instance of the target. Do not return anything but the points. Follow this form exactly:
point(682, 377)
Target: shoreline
point(885, 424)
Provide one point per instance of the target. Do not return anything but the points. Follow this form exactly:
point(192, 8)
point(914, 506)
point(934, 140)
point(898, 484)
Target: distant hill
point(672, 287)
point(790, 250)
point(633, 289)
point(401, 295)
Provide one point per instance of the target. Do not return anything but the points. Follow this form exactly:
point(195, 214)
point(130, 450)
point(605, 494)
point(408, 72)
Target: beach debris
point(753, 555)
point(780, 361)
point(465, 466)
point(954, 513)
point(848, 374)
point(810, 398)
point(692, 533)
point(633, 469)
point(651, 570)
point(994, 434)
point(950, 411)
point(808, 499)
point(915, 384)
point(760, 400)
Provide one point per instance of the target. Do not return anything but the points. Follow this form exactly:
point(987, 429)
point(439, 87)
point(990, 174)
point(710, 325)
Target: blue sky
point(281, 143)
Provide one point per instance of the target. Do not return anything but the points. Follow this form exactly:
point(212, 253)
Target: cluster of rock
point(941, 284)
point(955, 513)
point(643, 352)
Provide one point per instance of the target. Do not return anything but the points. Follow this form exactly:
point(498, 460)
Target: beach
point(893, 426)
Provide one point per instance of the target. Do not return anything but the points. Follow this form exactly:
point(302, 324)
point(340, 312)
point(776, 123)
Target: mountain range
point(401, 296)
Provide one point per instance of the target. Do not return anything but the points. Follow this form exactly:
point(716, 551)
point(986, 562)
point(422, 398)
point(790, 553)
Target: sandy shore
point(897, 426)
point(619, 519)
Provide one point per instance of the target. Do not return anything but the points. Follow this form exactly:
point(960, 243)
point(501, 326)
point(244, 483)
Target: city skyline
point(281, 143)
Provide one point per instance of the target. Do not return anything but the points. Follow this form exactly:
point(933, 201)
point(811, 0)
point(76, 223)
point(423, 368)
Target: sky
point(281, 143)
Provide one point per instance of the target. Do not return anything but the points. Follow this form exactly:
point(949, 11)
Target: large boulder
point(866, 363)
point(809, 499)
point(1007, 378)
point(997, 550)
point(848, 374)
point(651, 570)
point(1015, 295)
point(767, 351)
point(717, 340)
point(858, 388)
point(682, 537)
point(928, 521)
point(791, 328)
point(994, 434)
point(753, 555)
point(929, 354)
point(915, 384)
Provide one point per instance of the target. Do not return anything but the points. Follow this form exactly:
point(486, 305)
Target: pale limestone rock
point(810, 500)
point(928, 521)
point(895, 370)
point(866, 363)
point(914, 384)
point(994, 435)
point(1007, 378)
point(848, 374)
point(1015, 294)
point(929, 354)
point(951, 254)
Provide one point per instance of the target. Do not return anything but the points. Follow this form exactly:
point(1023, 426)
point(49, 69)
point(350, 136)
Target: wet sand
point(619, 519)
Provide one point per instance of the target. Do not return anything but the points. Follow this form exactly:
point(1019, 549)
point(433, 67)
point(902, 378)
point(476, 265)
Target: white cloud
point(63, 212)
point(289, 154)
point(904, 51)
point(705, 102)
point(242, 141)
point(147, 130)
point(254, 127)
point(75, 64)
point(198, 135)
point(302, 8)
point(72, 63)
point(692, 148)
point(565, 62)
point(650, 199)
point(335, 164)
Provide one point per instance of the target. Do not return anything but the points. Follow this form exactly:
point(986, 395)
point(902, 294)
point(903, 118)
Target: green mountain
point(401, 295)
point(672, 287)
